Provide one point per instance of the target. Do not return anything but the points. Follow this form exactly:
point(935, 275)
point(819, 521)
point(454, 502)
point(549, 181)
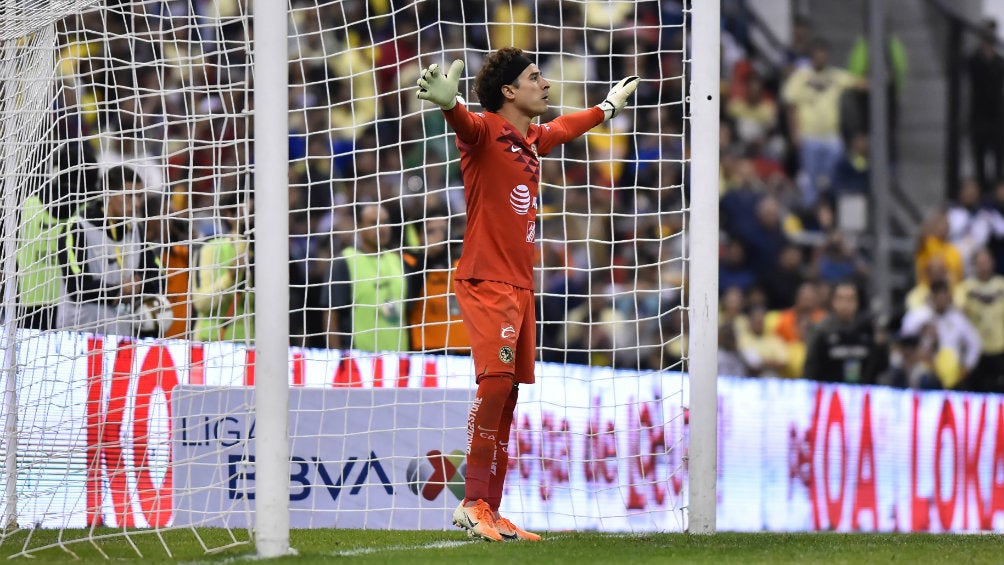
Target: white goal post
point(703, 303)
point(271, 120)
point(187, 189)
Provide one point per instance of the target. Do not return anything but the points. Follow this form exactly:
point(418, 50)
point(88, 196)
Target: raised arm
point(616, 99)
point(469, 127)
point(570, 126)
point(441, 90)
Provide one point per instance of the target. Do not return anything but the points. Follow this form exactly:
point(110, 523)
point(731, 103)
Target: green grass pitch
point(557, 548)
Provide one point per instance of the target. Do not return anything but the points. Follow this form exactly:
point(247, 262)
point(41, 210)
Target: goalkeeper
point(499, 160)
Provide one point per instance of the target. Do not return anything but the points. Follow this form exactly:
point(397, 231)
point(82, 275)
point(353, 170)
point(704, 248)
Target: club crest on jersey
point(520, 199)
point(506, 355)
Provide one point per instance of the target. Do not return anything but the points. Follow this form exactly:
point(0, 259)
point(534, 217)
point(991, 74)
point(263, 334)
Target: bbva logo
point(429, 475)
point(306, 475)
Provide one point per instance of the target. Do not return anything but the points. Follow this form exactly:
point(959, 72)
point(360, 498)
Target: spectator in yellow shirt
point(795, 324)
point(934, 243)
point(981, 298)
point(754, 113)
point(765, 351)
point(935, 270)
point(813, 95)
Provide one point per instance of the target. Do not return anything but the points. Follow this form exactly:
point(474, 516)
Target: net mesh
point(129, 268)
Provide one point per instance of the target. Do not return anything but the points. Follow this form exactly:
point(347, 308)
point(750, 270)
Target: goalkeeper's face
point(530, 92)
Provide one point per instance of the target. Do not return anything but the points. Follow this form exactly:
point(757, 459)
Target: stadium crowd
point(153, 114)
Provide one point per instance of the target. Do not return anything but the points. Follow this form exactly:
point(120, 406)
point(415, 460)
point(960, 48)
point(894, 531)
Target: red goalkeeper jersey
point(501, 171)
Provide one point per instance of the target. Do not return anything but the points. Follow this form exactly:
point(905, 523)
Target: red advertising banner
point(592, 447)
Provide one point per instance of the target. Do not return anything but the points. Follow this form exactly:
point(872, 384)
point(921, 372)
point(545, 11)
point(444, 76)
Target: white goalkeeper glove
point(438, 88)
point(617, 97)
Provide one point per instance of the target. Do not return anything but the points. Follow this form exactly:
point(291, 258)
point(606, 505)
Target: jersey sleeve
point(847, 79)
point(568, 127)
point(791, 91)
point(470, 128)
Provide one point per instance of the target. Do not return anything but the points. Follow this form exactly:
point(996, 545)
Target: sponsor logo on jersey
point(506, 354)
point(512, 144)
point(520, 199)
point(508, 331)
point(531, 231)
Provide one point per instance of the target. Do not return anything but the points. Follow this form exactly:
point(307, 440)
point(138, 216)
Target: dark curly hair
point(488, 84)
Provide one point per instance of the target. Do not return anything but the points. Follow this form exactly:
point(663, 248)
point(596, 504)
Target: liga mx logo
point(429, 475)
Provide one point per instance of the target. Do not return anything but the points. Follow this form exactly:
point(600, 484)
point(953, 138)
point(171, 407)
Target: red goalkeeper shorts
point(502, 326)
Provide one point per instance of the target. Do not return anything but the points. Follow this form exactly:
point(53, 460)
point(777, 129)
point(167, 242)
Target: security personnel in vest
point(107, 266)
point(38, 268)
point(366, 291)
point(42, 222)
point(434, 320)
point(221, 292)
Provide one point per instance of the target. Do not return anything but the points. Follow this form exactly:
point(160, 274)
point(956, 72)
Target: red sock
point(496, 483)
point(483, 432)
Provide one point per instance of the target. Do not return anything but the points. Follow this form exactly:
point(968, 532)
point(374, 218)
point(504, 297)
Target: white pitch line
point(347, 552)
point(369, 550)
point(235, 559)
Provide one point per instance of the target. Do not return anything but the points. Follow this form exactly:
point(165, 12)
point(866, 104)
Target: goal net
point(128, 336)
